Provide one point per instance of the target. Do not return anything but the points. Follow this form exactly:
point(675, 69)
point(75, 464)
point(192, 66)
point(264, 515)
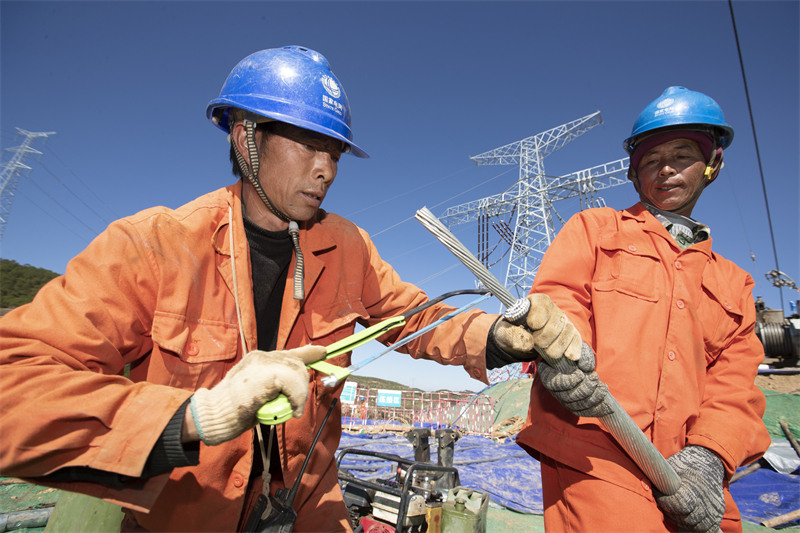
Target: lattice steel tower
point(9, 176)
point(531, 198)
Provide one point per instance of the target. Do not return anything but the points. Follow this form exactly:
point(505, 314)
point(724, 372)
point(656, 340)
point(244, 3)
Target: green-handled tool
point(279, 410)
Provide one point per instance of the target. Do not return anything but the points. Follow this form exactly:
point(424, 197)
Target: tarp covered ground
point(513, 478)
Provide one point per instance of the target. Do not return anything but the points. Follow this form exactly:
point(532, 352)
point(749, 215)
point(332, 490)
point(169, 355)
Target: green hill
point(20, 283)
point(376, 383)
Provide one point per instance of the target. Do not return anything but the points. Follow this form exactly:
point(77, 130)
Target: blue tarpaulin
point(513, 480)
point(504, 470)
point(765, 494)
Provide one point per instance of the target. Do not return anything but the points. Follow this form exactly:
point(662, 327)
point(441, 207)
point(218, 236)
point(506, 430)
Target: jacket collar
point(651, 224)
point(314, 236)
point(315, 239)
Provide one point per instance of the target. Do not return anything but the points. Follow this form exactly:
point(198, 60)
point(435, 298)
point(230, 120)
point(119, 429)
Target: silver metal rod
point(619, 423)
point(405, 340)
point(331, 381)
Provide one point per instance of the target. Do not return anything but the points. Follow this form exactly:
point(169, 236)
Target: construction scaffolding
point(389, 410)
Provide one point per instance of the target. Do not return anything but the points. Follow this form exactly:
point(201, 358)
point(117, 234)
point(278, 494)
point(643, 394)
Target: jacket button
point(192, 349)
point(680, 304)
point(646, 485)
point(671, 356)
point(632, 247)
point(238, 481)
point(678, 265)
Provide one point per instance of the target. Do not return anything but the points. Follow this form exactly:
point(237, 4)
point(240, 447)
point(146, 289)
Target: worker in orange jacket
point(136, 376)
point(672, 325)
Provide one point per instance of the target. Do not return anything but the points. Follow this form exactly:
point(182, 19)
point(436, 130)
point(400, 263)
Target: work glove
point(699, 503)
point(229, 408)
point(579, 390)
point(544, 329)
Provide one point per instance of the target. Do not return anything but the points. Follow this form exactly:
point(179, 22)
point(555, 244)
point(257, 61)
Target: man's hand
point(545, 329)
point(581, 390)
point(699, 503)
point(229, 408)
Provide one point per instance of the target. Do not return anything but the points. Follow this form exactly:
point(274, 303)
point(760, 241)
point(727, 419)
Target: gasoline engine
point(419, 496)
point(780, 335)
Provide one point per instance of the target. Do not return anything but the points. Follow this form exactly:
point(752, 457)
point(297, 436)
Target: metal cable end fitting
point(518, 311)
point(330, 381)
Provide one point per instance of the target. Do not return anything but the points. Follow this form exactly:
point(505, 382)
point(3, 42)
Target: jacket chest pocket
point(629, 268)
point(193, 352)
point(327, 325)
point(721, 316)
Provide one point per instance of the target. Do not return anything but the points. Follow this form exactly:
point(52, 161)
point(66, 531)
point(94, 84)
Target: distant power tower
point(11, 171)
point(531, 199)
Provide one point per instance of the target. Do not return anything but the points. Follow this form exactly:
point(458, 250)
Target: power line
point(70, 213)
point(90, 208)
point(49, 214)
point(91, 190)
point(755, 142)
point(435, 205)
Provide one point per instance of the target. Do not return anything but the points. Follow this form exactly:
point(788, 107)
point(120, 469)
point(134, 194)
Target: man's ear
point(713, 167)
point(634, 177)
point(239, 138)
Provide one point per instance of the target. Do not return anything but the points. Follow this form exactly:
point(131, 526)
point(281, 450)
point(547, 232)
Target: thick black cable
point(755, 142)
point(438, 299)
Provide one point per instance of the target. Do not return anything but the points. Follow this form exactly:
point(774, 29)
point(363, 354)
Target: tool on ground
point(618, 423)
point(279, 410)
point(281, 517)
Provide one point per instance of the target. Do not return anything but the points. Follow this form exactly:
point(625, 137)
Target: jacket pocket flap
point(618, 243)
point(334, 322)
point(195, 340)
point(719, 292)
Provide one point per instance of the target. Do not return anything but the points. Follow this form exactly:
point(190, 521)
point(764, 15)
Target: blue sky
point(125, 86)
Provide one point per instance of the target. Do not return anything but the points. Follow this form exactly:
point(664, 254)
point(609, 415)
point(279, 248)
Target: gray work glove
point(229, 408)
point(544, 329)
point(699, 503)
point(580, 391)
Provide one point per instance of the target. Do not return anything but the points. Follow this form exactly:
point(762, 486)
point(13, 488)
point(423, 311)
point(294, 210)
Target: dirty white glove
point(699, 503)
point(545, 329)
point(229, 408)
point(580, 391)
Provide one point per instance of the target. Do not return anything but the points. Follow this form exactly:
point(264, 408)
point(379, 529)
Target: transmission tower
point(11, 171)
point(531, 198)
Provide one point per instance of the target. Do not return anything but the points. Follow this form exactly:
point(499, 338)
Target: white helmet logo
point(331, 87)
point(666, 102)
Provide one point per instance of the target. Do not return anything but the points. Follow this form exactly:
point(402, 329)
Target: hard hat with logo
point(292, 84)
point(679, 108)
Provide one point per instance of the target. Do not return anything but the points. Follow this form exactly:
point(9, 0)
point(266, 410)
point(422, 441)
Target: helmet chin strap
point(250, 171)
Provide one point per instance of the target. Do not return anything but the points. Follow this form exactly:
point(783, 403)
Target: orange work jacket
point(156, 291)
point(673, 331)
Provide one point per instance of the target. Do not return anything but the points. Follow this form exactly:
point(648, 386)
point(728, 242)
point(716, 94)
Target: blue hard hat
point(292, 84)
point(680, 108)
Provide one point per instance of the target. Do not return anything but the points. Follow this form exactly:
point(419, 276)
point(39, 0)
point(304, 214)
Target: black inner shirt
point(270, 255)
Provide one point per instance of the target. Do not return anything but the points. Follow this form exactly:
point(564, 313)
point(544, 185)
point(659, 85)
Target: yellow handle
point(276, 411)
